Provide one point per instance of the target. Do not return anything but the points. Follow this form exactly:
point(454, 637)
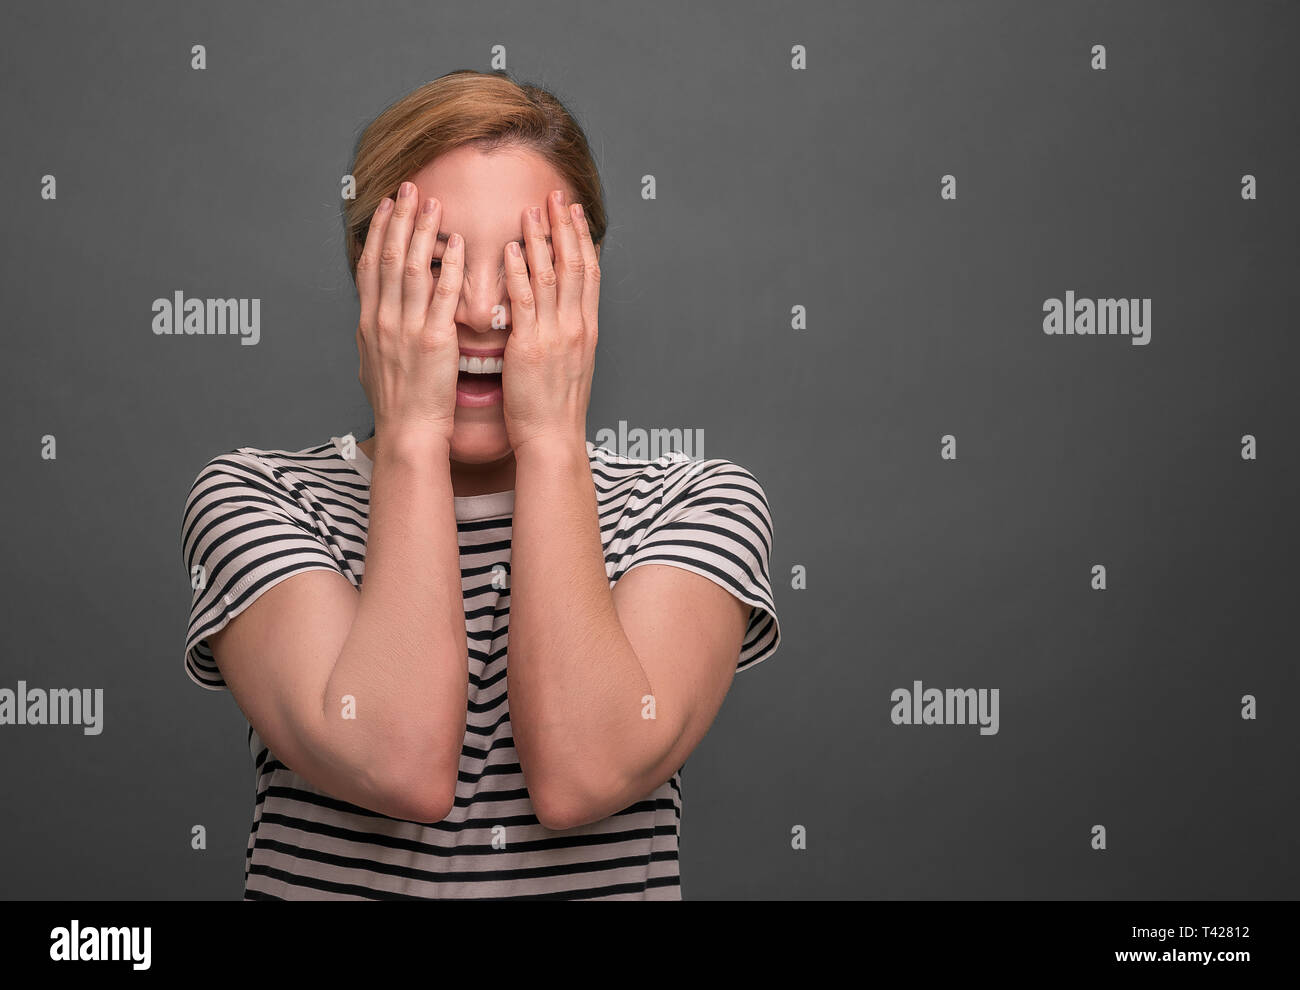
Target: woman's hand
point(551, 351)
point(406, 336)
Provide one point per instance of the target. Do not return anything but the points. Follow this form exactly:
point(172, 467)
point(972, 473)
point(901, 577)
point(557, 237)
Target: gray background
point(775, 188)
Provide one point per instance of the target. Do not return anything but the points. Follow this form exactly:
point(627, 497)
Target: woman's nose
point(484, 303)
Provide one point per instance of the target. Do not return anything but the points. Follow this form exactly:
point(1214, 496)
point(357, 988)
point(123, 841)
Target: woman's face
point(483, 199)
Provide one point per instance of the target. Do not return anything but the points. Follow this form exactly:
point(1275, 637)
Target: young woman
point(404, 749)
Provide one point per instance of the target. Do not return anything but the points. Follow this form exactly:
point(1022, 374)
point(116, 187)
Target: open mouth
point(481, 365)
point(479, 381)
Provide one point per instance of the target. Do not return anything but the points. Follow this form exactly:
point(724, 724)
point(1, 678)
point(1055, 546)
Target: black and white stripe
point(255, 517)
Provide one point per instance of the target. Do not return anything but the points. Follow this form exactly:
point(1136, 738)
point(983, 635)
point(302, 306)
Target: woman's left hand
point(551, 351)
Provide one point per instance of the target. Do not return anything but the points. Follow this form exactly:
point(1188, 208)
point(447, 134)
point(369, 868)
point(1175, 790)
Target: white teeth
point(481, 366)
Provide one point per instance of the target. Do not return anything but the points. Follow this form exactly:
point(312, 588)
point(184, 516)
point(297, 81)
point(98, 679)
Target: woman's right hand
point(406, 336)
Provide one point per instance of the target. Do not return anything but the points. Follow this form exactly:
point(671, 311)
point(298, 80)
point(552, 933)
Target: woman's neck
point(483, 479)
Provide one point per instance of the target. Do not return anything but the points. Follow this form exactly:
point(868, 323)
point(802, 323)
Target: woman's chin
point(480, 443)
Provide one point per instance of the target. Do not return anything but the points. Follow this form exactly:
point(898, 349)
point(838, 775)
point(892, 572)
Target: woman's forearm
point(577, 688)
point(404, 662)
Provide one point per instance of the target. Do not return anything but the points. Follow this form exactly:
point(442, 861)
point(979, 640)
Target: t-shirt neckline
point(467, 507)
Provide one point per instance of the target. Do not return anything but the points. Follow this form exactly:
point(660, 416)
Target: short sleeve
point(714, 520)
point(243, 532)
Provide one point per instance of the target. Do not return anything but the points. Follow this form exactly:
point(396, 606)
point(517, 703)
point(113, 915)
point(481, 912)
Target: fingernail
point(453, 240)
point(535, 213)
point(405, 190)
point(427, 208)
point(385, 205)
point(581, 215)
point(513, 248)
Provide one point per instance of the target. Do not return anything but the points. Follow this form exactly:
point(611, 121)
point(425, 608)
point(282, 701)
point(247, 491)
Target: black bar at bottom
point(1222, 940)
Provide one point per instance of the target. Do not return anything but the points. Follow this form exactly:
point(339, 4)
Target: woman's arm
point(609, 691)
point(583, 658)
point(397, 648)
point(405, 654)
point(365, 693)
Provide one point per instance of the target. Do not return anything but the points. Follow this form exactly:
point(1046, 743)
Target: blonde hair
point(488, 110)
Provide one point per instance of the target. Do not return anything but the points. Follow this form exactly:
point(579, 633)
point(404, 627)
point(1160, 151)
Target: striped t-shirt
point(256, 517)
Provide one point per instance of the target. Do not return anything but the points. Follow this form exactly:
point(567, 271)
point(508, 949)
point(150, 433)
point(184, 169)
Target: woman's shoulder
point(245, 490)
point(270, 462)
point(630, 460)
point(674, 476)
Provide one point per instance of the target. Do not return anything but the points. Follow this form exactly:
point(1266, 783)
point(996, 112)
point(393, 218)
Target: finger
point(446, 294)
point(393, 257)
point(591, 276)
point(539, 260)
point(523, 305)
point(569, 265)
point(368, 264)
point(416, 277)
